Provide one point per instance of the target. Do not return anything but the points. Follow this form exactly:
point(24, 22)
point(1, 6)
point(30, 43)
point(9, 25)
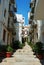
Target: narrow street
point(22, 57)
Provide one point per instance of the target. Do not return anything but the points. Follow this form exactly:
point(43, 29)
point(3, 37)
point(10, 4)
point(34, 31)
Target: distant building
point(25, 32)
point(18, 27)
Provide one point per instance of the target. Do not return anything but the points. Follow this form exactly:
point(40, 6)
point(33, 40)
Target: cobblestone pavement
point(22, 57)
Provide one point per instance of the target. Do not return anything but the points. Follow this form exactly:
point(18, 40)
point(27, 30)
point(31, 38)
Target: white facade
point(18, 27)
point(40, 30)
point(26, 31)
point(3, 19)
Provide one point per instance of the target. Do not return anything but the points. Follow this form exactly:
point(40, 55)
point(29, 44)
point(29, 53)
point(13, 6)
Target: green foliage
point(31, 44)
point(38, 47)
point(9, 48)
point(21, 45)
point(17, 44)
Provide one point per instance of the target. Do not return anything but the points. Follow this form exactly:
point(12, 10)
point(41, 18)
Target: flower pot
point(8, 54)
point(40, 56)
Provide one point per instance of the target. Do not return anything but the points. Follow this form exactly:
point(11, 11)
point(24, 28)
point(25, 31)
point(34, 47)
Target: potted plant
point(38, 50)
point(9, 51)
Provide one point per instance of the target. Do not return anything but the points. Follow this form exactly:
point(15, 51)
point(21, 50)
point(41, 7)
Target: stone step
point(9, 59)
point(23, 50)
point(20, 59)
point(26, 59)
point(24, 53)
point(24, 56)
point(21, 63)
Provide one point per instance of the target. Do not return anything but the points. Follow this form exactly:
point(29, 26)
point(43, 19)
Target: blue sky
point(23, 8)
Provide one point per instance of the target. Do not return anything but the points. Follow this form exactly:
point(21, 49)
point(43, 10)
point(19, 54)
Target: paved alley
point(22, 57)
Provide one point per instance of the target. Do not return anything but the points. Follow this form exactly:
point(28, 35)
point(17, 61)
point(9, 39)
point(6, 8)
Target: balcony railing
point(11, 13)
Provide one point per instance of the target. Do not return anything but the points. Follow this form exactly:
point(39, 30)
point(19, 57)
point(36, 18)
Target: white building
point(18, 27)
point(6, 18)
point(40, 24)
point(25, 32)
point(3, 19)
point(37, 11)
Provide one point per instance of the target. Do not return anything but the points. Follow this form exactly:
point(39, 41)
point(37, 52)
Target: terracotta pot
point(8, 54)
point(40, 56)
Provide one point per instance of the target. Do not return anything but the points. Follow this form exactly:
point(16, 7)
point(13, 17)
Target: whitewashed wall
point(18, 28)
point(3, 5)
point(40, 30)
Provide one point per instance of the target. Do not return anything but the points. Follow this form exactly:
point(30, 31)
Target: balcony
point(11, 13)
point(10, 28)
point(12, 1)
point(32, 5)
point(31, 17)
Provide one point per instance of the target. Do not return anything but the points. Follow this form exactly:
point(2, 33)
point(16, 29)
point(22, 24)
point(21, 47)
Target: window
point(4, 12)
